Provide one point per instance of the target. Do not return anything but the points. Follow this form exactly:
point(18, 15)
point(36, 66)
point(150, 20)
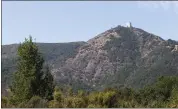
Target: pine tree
point(29, 80)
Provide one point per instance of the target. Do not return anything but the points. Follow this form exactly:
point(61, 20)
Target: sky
point(68, 21)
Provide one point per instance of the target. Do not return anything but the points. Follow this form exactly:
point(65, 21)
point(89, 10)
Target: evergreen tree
point(29, 80)
point(47, 85)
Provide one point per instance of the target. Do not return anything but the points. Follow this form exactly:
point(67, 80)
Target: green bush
point(54, 104)
point(36, 102)
point(4, 102)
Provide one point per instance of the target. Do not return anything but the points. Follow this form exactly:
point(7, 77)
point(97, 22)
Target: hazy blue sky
point(79, 21)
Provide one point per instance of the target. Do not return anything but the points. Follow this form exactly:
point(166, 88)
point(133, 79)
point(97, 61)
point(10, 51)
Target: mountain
point(55, 54)
point(118, 57)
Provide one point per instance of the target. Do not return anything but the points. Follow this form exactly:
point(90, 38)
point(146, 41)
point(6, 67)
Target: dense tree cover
point(33, 88)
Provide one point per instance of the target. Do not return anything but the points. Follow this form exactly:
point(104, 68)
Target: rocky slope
point(118, 57)
point(121, 56)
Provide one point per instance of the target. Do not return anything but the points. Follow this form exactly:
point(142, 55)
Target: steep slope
point(121, 56)
point(118, 57)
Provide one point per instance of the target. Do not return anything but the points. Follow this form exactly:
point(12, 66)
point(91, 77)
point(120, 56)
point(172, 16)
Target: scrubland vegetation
point(33, 87)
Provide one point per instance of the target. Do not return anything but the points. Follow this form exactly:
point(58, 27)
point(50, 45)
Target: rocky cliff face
point(117, 57)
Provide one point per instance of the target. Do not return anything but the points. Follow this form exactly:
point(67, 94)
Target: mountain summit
point(120, 56)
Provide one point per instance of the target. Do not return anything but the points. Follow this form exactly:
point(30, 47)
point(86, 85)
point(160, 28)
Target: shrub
point(36, 102)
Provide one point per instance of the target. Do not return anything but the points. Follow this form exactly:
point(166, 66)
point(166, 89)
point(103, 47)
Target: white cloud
point(166, 5)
